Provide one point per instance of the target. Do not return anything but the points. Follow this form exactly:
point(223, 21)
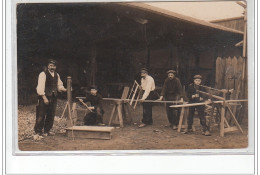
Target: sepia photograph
point(132, 76)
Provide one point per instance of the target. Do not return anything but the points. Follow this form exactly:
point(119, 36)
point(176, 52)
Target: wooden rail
point(144, 101)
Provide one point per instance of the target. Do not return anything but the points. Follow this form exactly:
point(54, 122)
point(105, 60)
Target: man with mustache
point(49, 83)
point(148, 87)
point(172, 91)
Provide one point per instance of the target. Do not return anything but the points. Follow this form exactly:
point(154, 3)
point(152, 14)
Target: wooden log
point(93, 132)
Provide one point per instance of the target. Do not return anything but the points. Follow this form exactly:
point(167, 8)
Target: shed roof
point(177, 16)
point(227, 19)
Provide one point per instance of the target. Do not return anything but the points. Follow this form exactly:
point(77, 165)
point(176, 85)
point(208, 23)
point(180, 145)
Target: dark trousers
point(148, 110)
point(173, 114)
point(45, 115)
point(201, 114)
point(94, 117)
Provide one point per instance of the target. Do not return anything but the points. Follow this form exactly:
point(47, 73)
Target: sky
point(207, 11)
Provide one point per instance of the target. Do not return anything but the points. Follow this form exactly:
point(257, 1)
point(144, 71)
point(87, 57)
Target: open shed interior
point(107, 43)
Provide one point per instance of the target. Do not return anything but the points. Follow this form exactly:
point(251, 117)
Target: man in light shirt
point(148, 86)
point(49, 83)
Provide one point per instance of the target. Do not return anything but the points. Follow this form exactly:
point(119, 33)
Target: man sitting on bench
point(96, 115)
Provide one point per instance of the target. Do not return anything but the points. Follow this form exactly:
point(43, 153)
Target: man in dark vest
point(49, 83)
point(172, 91)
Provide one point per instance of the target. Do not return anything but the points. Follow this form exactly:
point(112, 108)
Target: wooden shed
point(107, 43)
point(236, 23)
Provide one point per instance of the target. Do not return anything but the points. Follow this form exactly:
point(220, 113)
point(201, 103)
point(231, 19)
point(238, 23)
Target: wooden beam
point(145, 101)
point(92, 128)
point(210, 95)
point(222, 120)
point(181, 119)
point(234, 118)
point(213, 102)
point(69, 94)
point(211, 88)
point(241, 4)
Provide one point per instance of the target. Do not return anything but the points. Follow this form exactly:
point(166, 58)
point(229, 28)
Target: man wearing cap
point(195, 97)
point(148, 87)
point(95, 100)
point(172, 91)
point(49, 83)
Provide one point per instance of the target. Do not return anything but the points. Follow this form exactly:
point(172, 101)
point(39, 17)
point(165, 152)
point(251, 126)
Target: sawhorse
point(183, 119)
point(121, 107)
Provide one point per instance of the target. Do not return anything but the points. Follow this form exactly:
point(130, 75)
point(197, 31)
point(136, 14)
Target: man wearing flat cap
point(172, 91)
point(195, 97)
point(148, 87)
point(49, 83)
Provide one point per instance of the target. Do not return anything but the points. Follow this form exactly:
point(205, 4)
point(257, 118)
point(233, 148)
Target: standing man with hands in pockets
point(49, 83)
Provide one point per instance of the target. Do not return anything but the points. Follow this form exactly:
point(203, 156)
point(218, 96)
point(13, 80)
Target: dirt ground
point(153, 137)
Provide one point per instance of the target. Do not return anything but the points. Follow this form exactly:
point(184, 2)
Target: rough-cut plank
point(234, 128)
point(125, 92)
point(91, 128)
point(228, 73)
point(89, 134)
point(181, 119)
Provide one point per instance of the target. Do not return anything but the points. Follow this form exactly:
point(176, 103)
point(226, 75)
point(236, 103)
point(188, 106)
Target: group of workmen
point(49, 84)
point(172, 91)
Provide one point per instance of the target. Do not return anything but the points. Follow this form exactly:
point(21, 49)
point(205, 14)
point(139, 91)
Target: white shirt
point(41, 83)
point(147, 85)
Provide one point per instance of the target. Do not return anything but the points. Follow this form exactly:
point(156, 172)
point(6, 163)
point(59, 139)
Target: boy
point(96, 116)
point(195, 97)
